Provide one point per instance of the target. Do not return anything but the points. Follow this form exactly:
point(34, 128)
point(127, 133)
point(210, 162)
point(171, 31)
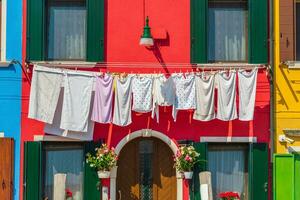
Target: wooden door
point(145, 171)
point(6, 168)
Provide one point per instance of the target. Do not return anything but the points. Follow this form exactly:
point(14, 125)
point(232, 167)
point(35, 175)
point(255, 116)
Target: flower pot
point(103, 174)
point(188, 175)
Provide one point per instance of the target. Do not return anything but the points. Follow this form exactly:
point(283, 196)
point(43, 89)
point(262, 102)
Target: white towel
point(77, 101)
point(163, 95)
point(44, 93)
point(247, 94)
point(123, 98)
point(226, 85)
point(142, 94)
point(205, 97)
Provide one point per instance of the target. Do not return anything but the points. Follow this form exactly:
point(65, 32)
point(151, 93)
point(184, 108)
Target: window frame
point(3, 30)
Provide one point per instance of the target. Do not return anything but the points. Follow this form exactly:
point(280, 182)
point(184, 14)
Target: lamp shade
point(146, 39)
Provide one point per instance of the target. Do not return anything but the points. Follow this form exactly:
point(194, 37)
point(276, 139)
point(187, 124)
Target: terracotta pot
point(188, 175)
point(103, 174)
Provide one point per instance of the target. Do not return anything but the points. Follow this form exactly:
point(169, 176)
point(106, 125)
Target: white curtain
point(67, 33)
point(69, 162)
point(227, 35)
point(228, 171)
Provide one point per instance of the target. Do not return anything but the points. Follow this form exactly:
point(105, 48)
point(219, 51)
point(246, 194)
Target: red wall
point(123, 30)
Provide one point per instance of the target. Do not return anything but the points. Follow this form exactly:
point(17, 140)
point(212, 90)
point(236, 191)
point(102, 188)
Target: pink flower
point(178, 154)
point(187, 158)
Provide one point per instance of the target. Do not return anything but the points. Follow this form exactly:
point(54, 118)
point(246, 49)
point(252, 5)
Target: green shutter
point(198, 11)
point(32, 171)
point(258, 31)
point(91, 180)
point(258, 171)
point(199, 167)
point(95, 30)
point(297, 176)
point(35, 30)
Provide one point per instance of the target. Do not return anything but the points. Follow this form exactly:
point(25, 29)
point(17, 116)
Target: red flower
point(69, 193)
point(229, 195)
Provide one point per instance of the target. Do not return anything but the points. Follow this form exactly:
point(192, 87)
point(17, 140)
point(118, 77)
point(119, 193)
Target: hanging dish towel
point(185, 91)
point(247, 94)
point(77, 101)
point(205, 97)
point(163, 95)
point(45, 87)
point(226, 84)
point(123, 98)
point(142, 94)
point(102, 109)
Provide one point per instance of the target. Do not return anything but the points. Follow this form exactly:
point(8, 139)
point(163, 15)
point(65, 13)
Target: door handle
point(3, 184)
point(120, 195)
point(266, 186)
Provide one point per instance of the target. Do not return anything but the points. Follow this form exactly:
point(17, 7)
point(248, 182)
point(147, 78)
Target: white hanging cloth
point(226, 84)
point(123, 98)
point(247, 94)
point(142, 93)
point(45, 88)
point(185, 91)
point(77, 101)
point(205, 97)
point(163, 95)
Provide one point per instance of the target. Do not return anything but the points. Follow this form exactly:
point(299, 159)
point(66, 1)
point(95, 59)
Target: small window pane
point(64, 161)
point(227, 30)
point(66, 30)
point(228, 167)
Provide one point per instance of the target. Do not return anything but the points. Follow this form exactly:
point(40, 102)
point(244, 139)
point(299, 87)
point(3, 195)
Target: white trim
point(145, 133)
point(229, 139)
point(1, 134)
point(293, 149)
point(51, 138)
point(292, 64)
point(3, 31)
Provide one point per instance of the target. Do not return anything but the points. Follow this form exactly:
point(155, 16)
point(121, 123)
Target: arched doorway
point(145, 171)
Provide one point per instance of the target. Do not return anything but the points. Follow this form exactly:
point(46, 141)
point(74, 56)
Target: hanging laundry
point(205, 97)
point(45, 87)
point(247, 93)
point(185, 91)
point(142, 93)
point(123, 98)
point(54, 128)
point(226, 84)
point(102, 109)
point(77, 101)
point(163, 95)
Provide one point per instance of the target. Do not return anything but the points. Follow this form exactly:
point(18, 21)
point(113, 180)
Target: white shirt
point(142, 93)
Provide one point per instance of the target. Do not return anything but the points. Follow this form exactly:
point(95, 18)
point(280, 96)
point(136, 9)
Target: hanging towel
point(163, 95)
point(226, 84)
point(77, 101)
point(45, 87)
point(142, 94)
point(247, 93)
point(185, 91)
point(54, 128)
point(205, 97)
point(123, 98)
point(102, 109)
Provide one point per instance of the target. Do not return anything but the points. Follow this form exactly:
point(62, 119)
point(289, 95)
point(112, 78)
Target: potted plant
point(69, 194)
point(103, 161)
point(229, 196)
point(185, 159)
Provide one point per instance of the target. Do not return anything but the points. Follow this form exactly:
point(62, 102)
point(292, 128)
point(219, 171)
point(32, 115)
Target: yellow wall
point(287, 93)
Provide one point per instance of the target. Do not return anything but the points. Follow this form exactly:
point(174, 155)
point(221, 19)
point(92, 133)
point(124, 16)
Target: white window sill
point(292, 64)
point(66, 64)
point(4, 64)
point(50, 138)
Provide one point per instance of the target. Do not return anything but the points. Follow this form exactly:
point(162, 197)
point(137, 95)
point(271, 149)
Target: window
point(228, 167)
point(227, 30)
point(66, 30)
point(297, 30)
point(3, 30)
point(63, 164)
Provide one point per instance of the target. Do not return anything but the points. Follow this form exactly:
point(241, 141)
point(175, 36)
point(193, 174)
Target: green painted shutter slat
point(198, 38)
point(297, 176)
point(95, 30)
point(258, 31)
point(91, 179)
point(201, 148)
point(32, 170)
point(35, 30)
point(258, 171)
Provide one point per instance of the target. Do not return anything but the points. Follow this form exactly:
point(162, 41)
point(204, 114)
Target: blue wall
point(10, 85)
